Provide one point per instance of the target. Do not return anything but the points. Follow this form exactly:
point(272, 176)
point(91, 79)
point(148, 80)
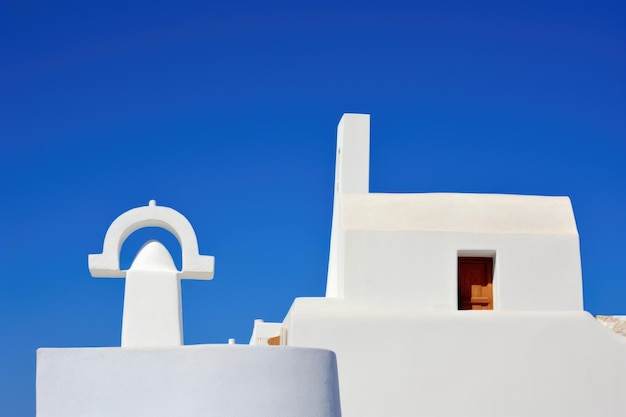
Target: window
point(475, 283)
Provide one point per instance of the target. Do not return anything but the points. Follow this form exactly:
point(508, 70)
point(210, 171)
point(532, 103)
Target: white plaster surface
point(417, 270)
point(189, 381)
point(107, 263)
point(353, 150)
point(351, 176)
point(466, 363)
point(152, 305)
point(400, 250)
point(391, 307)
point(458, 212)
point(152, 375)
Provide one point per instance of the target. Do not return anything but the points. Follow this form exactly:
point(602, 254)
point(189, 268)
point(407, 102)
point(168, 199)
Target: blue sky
point(228, 113)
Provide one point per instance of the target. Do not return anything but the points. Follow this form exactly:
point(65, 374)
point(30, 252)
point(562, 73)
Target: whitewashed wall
point(417, 270)
point(390, 311)
point(400, 250)
point(187, 381)
point(467, 363)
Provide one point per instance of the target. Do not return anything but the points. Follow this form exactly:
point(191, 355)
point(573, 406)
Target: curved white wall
point(189, 381)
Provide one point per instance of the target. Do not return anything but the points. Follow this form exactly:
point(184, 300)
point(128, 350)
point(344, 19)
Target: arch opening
point(133, 243)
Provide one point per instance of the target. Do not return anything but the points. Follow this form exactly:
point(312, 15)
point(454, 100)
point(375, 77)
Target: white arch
point(107, 263)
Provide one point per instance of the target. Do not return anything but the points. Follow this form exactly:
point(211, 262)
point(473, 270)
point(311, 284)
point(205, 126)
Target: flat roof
point(457, 212)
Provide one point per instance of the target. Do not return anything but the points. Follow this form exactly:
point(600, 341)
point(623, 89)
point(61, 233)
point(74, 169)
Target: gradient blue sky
point(228, 113)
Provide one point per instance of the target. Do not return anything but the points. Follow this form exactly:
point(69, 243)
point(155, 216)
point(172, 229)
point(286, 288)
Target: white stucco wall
point(152, 315)
point(188, 381)
point(466, 363)
point(351, 176)
point(391, 307)
point(417, 270)
point(152, 374)
point(401, 250)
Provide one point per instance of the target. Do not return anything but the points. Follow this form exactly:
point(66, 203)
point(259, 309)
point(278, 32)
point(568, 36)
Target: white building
point(407, 273)
point(436, 305)
point(152, 373)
